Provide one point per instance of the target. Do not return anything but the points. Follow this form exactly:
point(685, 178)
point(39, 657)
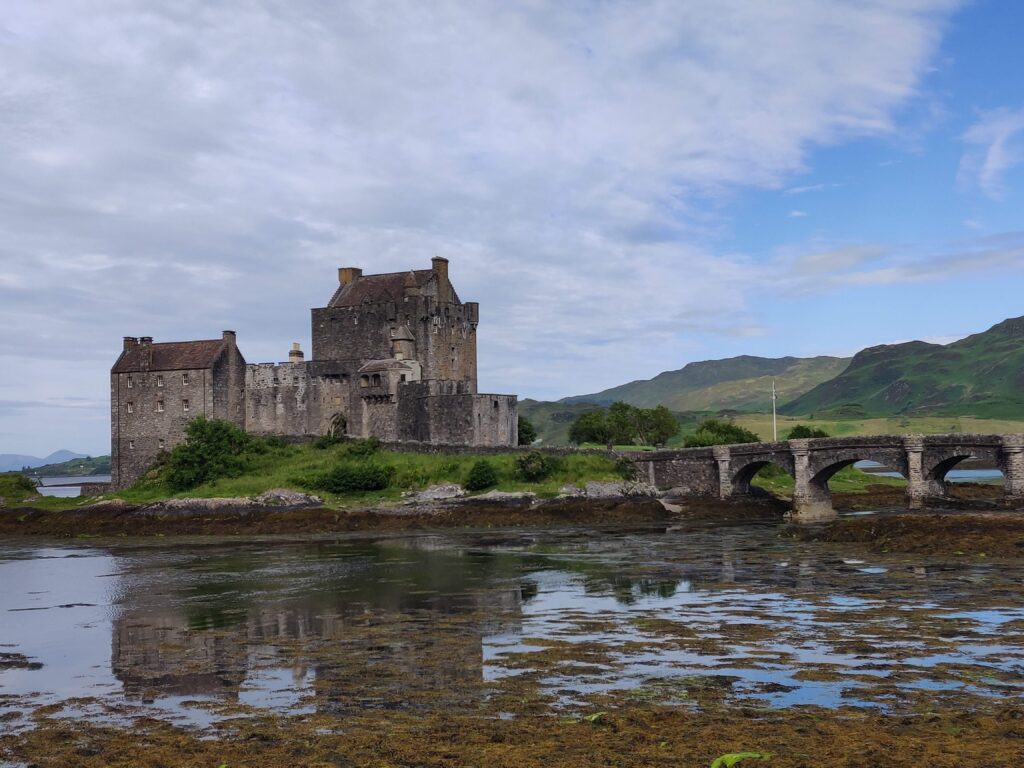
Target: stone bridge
point(728, 470)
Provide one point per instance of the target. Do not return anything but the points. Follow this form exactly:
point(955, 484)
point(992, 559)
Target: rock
point(506, 496)
point(284, 497)
point(571, 492)
point(616, 489)
point(436, 493)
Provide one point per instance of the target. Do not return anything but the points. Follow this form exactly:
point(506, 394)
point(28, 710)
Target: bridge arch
point(939, 461)
point(742, 478)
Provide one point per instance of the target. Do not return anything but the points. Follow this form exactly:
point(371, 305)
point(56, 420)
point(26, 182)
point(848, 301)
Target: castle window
point(495, 405)
point(184, 378)
point(403, 377)
point(159, 406)
point(159, 380)
point(392, 333)
point(131, 445)
point(160, 443)
point(184, 405)
point(364, 381)
point(129, 382)
point(131, 407)
point(376, 379)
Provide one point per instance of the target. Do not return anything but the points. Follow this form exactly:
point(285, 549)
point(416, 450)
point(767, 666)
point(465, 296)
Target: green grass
point(292, 466)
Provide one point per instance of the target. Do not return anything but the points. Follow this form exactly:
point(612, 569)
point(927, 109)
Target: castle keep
point(393, 357)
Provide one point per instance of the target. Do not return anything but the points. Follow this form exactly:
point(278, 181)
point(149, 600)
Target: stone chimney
point(146, 359)
point(229, 337)
point(295, 355)
point(439, 264)
point(348, 275)
point(129, 342)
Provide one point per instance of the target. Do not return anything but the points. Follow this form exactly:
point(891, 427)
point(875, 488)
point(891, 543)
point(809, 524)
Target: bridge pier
point(721, 455)
point(1013, 466)
point(917, 483)
point(811, 503)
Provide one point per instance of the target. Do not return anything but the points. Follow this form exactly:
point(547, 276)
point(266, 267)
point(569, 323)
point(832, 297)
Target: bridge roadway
point(727, 470)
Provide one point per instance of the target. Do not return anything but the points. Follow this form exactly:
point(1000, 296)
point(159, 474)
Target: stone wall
point(276, 398)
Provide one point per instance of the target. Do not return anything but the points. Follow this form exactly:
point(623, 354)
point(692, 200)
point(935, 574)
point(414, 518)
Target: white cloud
point(797, 214)
point(995, 144)
point(173, 170)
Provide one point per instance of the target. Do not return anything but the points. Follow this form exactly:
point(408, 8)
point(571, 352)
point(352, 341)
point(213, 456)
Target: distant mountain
point(11, 462)
point(981, 375)
point(736, 383)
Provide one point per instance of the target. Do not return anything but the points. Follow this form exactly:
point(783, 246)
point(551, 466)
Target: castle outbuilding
point(393, 357)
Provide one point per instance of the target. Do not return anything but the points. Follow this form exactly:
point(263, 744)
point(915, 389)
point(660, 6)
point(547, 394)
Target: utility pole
point(775, 426)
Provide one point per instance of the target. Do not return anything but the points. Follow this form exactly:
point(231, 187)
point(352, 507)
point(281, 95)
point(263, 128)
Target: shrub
point(14, 485)
point(625, 468)
point(481, 475)
point(527, 432)
point(535, 466)
point(362, 449)
point(212, 449)
point(324, 442)
point(350, 476)
point(715, 432)
point(802, 430)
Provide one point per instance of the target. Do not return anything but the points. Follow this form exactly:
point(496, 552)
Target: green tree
point(802, 430)
point(212, 449)
point(657, 425)
point(715, 432)
point(590, 427)
point(527, 433)
point(624, 423)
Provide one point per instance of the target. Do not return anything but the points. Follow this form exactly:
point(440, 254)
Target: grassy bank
point(299, 466)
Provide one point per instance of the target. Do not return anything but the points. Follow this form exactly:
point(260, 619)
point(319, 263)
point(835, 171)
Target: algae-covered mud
point(654, 645)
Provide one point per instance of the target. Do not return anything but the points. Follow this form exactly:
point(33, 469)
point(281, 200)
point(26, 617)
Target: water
point(68, 487)
point(972, 475)
point(194, 630)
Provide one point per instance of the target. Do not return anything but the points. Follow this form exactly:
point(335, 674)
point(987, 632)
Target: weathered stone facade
point(394, 357)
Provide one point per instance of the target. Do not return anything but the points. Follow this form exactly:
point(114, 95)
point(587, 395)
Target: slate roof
point(389, 286)
point(385, 365)
point(171, 356)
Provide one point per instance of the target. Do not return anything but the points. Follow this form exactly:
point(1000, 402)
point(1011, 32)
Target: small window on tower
point(159, 380)
point(131, 445)
point(159, 406)
point(184, 405)
point(160, 443)
point(392, 333)
point(129, 382)
point(131, 407)
point(184, 378)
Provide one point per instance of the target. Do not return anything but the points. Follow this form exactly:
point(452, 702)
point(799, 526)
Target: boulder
point(436, 493)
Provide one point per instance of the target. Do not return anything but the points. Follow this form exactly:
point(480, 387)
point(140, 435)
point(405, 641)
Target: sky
point(625, 187)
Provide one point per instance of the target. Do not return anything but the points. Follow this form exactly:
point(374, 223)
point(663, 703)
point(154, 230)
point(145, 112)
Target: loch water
point(191, 629)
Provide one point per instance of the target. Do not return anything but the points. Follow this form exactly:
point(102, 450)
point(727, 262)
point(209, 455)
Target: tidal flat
point(654, 644)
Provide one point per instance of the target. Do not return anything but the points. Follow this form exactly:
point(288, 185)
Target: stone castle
point(393, 357)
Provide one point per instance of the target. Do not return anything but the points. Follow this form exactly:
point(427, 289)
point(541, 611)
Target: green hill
point(737, 383)
point(981, 375)
point(82, 467)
